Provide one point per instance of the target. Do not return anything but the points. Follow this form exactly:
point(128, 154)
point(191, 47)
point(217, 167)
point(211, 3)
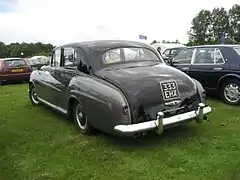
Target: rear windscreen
point(15, 63)
point(237, 49)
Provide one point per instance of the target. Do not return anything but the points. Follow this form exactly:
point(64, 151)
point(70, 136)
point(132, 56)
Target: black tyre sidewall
point(31, 87)
point(88, 128)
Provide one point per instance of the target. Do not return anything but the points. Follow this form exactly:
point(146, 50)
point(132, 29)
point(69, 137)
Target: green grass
point(38, 143)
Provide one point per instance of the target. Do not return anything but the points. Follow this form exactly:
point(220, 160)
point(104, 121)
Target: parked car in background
point(119, 87)
point(167, 53)
point(14, 69)
point(36, 62)
point(216, 67)
point(164, 46)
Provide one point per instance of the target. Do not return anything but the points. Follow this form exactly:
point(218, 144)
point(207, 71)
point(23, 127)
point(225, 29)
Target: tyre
point(230, 91)
point(33, 95)
point(80, 119)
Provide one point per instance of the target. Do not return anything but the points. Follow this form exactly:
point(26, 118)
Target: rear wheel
point(81, 119)
point(230, 91)
point(33, 95)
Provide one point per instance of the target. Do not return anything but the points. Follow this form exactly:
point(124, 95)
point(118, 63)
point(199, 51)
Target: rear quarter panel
point(103, 103)
point(231, 68)
point(232, 59)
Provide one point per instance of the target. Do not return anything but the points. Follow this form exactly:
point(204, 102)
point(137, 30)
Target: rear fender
point(201, 90)
point(104, 104)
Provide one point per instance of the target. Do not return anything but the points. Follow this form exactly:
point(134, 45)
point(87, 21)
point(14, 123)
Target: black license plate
point(169, 90)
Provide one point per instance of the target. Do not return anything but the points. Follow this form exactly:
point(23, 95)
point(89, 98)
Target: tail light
point(4, 67)
point(1, 66)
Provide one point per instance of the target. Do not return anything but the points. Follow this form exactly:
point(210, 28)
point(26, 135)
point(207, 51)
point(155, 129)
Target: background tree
point(201, 30)
point(154, 41)
point(3, 50)
point(177, 42)
point(234, 21)
point(220, 24)
point(28, 49)
point(208, 27)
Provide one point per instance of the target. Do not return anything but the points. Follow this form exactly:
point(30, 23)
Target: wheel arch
point(31, 82)
point(71, 100)
point(226, 77)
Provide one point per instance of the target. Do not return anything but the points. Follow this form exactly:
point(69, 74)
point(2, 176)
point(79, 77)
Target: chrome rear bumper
point(199, 115)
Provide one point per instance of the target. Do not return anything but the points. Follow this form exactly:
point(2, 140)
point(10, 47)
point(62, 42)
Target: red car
point(14, 69)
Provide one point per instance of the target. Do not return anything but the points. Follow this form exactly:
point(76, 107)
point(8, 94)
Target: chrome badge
point(173, 103)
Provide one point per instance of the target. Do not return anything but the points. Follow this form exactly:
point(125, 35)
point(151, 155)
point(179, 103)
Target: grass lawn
point(38, 143)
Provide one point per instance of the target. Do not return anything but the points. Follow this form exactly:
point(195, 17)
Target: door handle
point(217, 69)
point(185, 68)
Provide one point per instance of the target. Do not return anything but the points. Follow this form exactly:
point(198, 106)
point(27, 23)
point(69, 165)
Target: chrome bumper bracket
point(200, 117)
point(160, 117)
point(158, 125)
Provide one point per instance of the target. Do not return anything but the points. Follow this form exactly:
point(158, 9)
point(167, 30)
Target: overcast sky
point(63, 21)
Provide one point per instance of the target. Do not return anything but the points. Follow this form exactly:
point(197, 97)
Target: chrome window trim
point(215, 64)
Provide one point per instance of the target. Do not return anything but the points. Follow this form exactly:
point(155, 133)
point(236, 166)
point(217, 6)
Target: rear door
point(208, 66)
point(71, 58)
point(182, 59)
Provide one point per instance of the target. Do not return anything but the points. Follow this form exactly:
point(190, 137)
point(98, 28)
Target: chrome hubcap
point(34, 96)
point(81, 118)
point(232, 92)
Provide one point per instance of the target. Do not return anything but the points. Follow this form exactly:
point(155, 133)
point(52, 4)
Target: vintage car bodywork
point(216, 67)
point(124, 97)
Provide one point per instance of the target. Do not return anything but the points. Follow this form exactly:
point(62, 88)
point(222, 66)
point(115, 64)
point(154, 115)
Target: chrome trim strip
point(193, 56)
point(158, 124)
point(53, 106)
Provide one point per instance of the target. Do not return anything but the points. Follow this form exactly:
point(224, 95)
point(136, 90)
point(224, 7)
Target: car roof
point(103, 45)
point(12, 58)
point(215, 45)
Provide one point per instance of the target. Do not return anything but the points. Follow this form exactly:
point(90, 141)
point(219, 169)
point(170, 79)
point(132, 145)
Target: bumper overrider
point(160, 123)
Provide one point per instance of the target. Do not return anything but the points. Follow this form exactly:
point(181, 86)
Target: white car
point(165, 46)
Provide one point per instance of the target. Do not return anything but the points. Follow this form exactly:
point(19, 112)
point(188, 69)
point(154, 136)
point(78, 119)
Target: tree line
point(216, 26)
point(25, 49)
point(164, 41)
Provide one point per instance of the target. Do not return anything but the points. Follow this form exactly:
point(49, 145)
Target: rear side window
point(15, 63)
point(237, 49)
point(208, 56)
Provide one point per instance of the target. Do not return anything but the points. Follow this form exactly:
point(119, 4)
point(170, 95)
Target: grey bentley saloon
point(118, 87)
